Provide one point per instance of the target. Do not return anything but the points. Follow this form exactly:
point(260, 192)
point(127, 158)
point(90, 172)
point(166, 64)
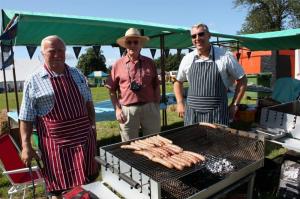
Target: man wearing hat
point(134, 88)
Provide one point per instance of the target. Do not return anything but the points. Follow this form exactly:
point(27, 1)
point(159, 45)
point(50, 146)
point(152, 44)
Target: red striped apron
point(68, 143)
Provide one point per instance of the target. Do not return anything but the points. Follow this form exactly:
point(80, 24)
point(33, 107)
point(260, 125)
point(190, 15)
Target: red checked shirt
point(146, 75)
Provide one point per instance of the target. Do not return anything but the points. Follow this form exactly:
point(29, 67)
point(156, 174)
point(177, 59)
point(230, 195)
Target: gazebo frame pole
point(163, 82)
point(15, 82)
point(5, 86)
point(238, 49)
point(3, 69)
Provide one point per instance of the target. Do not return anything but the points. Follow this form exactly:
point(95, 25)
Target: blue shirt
point(38, 93)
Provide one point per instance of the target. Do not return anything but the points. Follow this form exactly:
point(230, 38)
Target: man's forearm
point(240, 90)
point(178, 90)
point(25, 132)
point(114, 99)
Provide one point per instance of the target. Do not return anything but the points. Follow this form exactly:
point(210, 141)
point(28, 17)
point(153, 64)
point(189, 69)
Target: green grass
point(107, 131)
point(98, 93)
point(11, 100)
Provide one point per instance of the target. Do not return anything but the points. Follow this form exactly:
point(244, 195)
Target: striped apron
point(207, 94)
point(68, 143)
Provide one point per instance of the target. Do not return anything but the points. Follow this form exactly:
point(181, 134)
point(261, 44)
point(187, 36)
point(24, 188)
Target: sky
point(219, 15)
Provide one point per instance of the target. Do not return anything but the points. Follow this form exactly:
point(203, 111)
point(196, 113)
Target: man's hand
point(27, 154)
point(120, 115)
point(180, 109)
point(232, 112)
point(178, 91)
point(27, 151)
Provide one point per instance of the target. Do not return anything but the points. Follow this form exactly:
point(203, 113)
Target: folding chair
point(14, 168)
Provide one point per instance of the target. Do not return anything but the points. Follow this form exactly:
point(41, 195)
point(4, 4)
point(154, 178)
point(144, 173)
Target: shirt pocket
point(44, 101)
point(83, 89)
point(147, 77)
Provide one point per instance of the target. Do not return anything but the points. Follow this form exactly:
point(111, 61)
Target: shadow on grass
point(108, 141)
point(172, 126)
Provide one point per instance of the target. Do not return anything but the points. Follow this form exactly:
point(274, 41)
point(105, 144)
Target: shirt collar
point(44, 73)
point(195, 52)
point(127, 60)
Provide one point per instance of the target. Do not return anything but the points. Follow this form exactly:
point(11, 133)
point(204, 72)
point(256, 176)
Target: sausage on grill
point(185, 161)
point(208, 125)
point(178, 161)
point(181, 161)
point(145, 153)
point(197, 155)
point(163, 162)
point(138, 145)
point(160, 151)
point(130, 147)
point(156, 141)
point(164, 140)
point(144, 143)
point(191, 158)
point(170, 151)
point(177, 165)
point(175, 148)
point(149, 141)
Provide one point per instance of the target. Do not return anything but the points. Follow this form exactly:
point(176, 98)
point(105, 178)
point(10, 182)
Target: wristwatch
point(235, 104)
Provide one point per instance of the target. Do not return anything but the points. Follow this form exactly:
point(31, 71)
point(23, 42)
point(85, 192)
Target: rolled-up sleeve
point(182, 71)
point(233, 67)
point(112, 82)
point(27, 110)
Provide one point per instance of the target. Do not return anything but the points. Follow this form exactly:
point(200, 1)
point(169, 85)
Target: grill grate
point(215, 144)
point(151, 169)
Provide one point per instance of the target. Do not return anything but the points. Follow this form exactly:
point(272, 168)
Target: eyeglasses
point(200, 34)
point(129, 42)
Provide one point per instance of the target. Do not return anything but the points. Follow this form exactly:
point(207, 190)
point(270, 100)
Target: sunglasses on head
point(200, 34)
point(129, 42)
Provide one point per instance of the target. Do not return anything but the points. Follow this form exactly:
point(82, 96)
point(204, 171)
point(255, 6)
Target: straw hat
point(132, 33)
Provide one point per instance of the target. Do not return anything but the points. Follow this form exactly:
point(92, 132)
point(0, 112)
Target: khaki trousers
point(146, 116)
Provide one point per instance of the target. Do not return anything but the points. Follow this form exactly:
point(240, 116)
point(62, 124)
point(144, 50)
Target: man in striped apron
point(59, 101)
point(210, 71)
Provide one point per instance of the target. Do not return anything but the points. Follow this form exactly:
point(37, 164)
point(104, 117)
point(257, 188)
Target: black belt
point(137, 104)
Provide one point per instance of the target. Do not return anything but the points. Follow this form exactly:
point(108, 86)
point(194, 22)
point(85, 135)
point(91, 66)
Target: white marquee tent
point(24, 68)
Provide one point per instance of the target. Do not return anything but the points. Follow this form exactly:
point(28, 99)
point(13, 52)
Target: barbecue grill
point(281, 124)
point(231, 155)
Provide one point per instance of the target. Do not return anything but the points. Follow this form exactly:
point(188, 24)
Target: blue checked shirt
point(38, 94)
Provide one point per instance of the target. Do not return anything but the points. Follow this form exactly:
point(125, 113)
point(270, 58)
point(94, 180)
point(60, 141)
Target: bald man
point(57, 100)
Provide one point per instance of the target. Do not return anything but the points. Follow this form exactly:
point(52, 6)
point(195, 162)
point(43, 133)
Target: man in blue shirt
point(59, 102)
